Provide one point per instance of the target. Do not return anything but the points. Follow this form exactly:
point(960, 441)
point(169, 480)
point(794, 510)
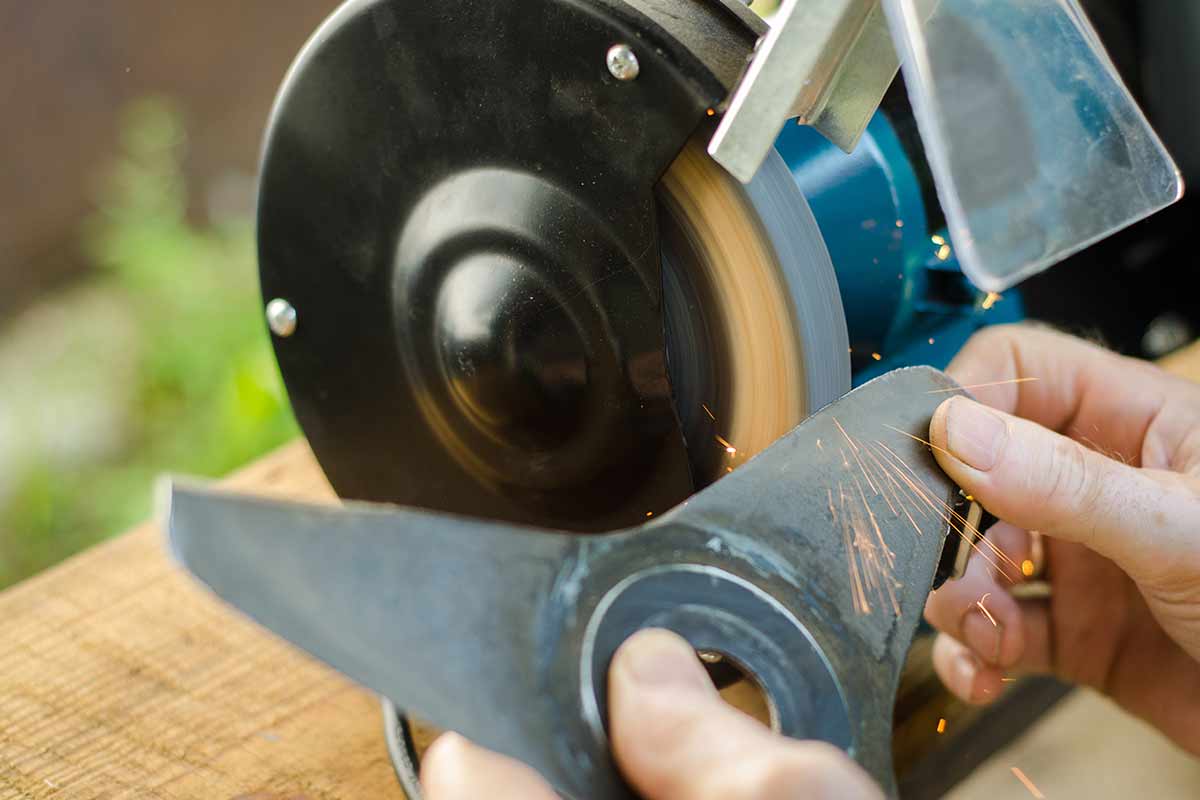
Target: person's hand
point(1101, 454)
point(674, 738)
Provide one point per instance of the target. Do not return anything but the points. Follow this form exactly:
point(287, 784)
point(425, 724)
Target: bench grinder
point(564, 333)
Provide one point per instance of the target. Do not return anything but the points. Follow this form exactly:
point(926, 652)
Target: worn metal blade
point(809, 566)
point(432, 611)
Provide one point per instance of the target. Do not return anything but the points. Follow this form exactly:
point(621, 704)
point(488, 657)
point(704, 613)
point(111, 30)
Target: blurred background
point(131, 337)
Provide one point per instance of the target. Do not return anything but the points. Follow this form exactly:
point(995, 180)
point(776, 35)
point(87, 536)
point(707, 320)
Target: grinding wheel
point(756, 341)
point(756, 335)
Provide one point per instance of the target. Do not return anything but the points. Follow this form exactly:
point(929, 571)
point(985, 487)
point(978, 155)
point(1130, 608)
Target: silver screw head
point(622, 62)
point(281, 317)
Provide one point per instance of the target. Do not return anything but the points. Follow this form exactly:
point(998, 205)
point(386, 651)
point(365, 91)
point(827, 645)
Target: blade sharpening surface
point(756, 334)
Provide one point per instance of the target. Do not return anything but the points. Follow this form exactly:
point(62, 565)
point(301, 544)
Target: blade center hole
point(739, 687)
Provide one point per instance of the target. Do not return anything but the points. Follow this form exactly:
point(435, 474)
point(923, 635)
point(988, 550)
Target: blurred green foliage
point(207, 394)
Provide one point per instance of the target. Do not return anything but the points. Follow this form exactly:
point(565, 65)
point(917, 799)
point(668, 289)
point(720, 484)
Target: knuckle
point(443, 765)
point(1174, 579)
point(997, 334)
point(1068, 482)
point(938, 610)
point(1185, 455)
point(988, 341)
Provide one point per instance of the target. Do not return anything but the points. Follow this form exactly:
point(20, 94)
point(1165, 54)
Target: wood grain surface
point(121, 678)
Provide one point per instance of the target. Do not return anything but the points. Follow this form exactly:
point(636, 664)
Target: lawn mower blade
point(809, 565)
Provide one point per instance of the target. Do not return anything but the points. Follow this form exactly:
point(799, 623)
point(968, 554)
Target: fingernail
point(663, 660)
point(982, 636)
point(974, 434)
point(965, 670)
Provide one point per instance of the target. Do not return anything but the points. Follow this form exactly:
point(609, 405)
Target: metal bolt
point(622, 62)
point(281, 317)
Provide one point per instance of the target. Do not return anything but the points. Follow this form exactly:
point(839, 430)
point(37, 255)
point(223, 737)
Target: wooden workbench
point(121, 678)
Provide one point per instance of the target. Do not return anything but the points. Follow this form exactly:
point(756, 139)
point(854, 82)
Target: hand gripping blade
point(809, 565)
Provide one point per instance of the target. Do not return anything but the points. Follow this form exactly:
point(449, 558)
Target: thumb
point(1040, 480)
point(676, 739)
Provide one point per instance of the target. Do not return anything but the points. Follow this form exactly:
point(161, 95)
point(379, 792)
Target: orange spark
point(1033, 790)
point(870, 574)
point(649, 513)
point(981, 385)
point(941, 728)
point(843, 430)
point(878, 573)
point(728, 447)
point(957, 522)
point(1008, 680)
point(710, 112)
point(922, 441)
point(857, 593)
point(876, 356)
point(987, 613)
point(882, 486)
point(891, 557)
point(895, 485)
point(708, 411)
point(865, 475)
point(991, 300)
point(916, 486)
point(1027, 568)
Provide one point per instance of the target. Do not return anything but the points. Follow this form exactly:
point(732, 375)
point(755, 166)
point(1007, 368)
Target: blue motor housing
point(905, 297)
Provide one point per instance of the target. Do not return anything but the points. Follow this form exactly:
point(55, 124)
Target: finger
point(1040, 480)
point(1002, 551)
point(964, 674)
point(675, 739)
point(1071, 386)
point(977, 609)
point(1037, 655)
point(455, 769)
